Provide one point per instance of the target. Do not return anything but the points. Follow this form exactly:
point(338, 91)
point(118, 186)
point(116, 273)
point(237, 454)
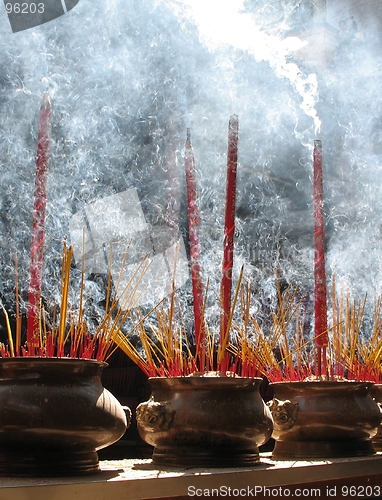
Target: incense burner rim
point(201, 382)
point(322, 383)
point(50, 359)
point(19, 366)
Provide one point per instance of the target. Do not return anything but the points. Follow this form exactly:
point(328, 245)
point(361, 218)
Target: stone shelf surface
point(137, 479)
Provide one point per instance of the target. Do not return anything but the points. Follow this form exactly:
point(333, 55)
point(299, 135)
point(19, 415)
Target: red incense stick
point(38, 225)
point(320, 293)
point(228, 243)
point(195, 252)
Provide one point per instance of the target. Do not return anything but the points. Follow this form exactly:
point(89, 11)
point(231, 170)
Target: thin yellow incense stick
point(67, 259)
point(9, 331)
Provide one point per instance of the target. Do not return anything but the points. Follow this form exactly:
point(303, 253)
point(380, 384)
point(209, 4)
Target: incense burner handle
point(128, 414)
point(284, 413)
point(153, 416)
point(380, 408)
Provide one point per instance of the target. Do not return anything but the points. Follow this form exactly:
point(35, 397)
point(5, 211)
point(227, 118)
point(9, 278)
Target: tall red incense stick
point(195, 251)
point(228, 244)
point(320, 293)
point(38, 225)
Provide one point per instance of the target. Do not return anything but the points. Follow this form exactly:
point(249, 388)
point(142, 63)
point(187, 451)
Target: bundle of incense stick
point(160, 346)
point(286, 354)
point(277, 354)
point(66, 333)
point(159, 349)
point(369, 352)
point(354, 354)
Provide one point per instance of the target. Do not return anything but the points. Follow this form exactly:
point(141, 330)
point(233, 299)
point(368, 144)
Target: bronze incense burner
point(323, 419)
point(55, 415)
point(205, 421)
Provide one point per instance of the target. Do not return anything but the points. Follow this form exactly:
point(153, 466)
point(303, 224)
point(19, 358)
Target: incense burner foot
point(54, 416)
point(35, 463)
point(205, 421)
point(306, 450)
point(316, 420)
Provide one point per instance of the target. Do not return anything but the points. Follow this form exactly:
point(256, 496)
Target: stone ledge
point(136, 479)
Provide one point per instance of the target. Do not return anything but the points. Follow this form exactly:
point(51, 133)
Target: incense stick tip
point(233, 126)
point(45, 100)
point(234, 119)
